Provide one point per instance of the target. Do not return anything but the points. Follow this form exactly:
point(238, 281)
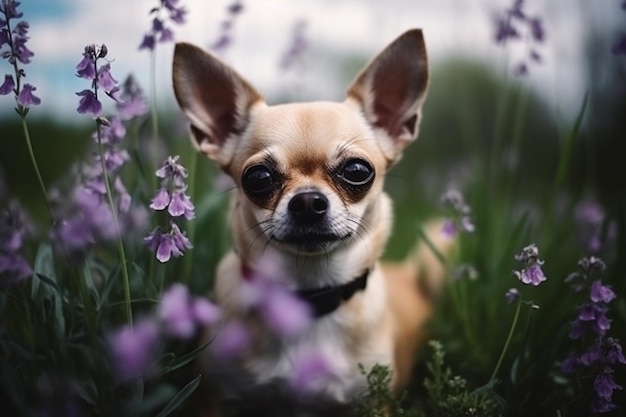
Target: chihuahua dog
point(309, 188)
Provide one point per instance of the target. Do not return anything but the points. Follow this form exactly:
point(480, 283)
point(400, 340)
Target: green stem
point(508, 340)
point(120, 244)
point(23, 111)
point(35, 164)
point(154, 116)
point(191, 184)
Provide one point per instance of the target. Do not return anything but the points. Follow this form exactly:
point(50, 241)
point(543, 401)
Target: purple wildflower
point(205, 312)
point(26, 98)
point(284, 313)
point(512, 295)
point(298, 45)
point(595, 230)
point(105, 80)
point(13, 229)
point(601, 293)
point(460, 214)
point(181, 205)
point(100, 77)
point(169, 243)
point(512, 24)
point(89, 218)
point(86, 67)
point(531, 273)
point(161, 200)
point(225, 37)
point(15, 38)
point(172, 169)
point(8, 86)
point(505, 30)
point(88, 103)
point(181, 314)
point(148, 42)
point(171, 196)
point(9, 8)
point(160, 31)
point(604, 384)
point(132, 349)
point(591, 313)
point(132, 102)
point(265, 289)
point(606, 352)
point(232, 341)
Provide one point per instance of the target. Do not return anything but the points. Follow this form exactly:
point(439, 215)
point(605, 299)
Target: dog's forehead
point(311, 128)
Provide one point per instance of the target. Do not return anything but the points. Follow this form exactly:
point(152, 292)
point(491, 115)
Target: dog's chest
point(324, 360)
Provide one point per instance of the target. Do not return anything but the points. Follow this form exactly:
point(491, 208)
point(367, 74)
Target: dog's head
point(309, 176)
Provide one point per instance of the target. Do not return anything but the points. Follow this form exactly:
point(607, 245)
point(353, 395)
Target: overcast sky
point(60, 29)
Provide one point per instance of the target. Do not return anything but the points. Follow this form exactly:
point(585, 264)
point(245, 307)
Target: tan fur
point(305, 147)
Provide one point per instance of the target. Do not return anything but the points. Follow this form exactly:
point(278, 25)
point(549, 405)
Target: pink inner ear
point(392, 88)
point(397, 87)
point(215, 98)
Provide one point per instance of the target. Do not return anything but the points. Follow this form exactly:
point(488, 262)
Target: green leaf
point(108, 286)
point(180, 397)
point(44, 265)
point(154, 400)
point(189, 357)
point(43, 272)
point(88, 275)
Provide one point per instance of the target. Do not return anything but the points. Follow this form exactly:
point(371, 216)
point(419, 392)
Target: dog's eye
point(357, 172)
point(258, 180)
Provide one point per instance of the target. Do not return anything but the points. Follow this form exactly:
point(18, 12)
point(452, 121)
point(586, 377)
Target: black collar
point(325, 300)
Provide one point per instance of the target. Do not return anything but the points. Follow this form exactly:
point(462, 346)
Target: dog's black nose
point(308, 207)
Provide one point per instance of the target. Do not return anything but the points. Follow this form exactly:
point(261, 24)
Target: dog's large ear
point(391, 91)
point(215, 99)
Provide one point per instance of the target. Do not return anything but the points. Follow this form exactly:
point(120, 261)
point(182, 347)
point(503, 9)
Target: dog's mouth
point(312, 242)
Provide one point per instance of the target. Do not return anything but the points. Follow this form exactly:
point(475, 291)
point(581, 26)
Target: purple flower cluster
point(100, 77)
point(160, 31)
point(13, 229)
point(509, 26)
point(298, 45)
point(134, 349)
point(595, 230)
point(131, 102)
point(225, 39)
point(598, 360)
point(460, 218)
point(167, 241)
point(17, 52)
point(181, 314)
point(592, 312)
point(531, 273)
point(88, 218)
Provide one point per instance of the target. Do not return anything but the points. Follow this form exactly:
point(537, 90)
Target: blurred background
point(325, 43)
point(532, 129)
